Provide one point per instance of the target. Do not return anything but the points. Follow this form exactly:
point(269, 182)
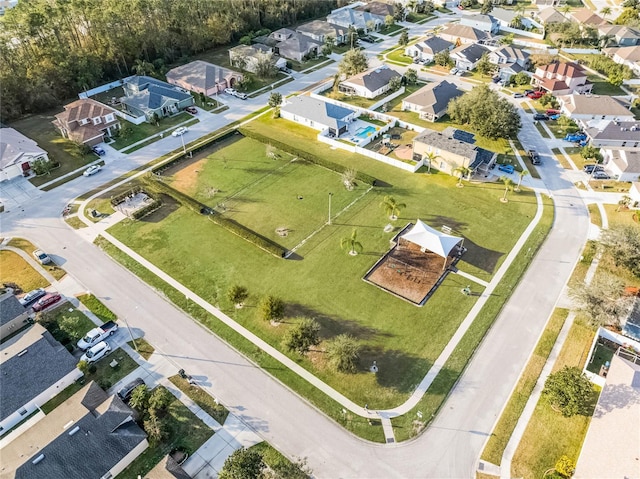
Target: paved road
point(451, 445)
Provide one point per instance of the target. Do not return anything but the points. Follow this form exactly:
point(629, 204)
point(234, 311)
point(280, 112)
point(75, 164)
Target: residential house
point(371, 83)
point(17, 154)
point(463, 34)
point(550, 15)
point(87, 122)
point(34, 368)
point(319, 30)
point(595, 107)
point(623, 165)
point(623, 35)
point(380, 9)
point(203, 77)
point(6, 5)
point(13, 315)
point(167, 468)
point(510, 61)
point(294, 45)
point(560, 78)
point(548, 3)
point(629, 56)
point(453, 148)
point(431, 101)
point(620, 135)
point(504, 18)
point(468, 56)
point(427, 49)
point(484, 23)
point(359, 19)
point(607, 451)
point(90, 435)
point(318, 114)
point(586, 17)
point(146, 96)
point(634, 194)
point(248, 57)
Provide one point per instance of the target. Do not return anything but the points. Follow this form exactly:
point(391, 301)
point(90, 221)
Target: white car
point(230, 91)
point(453, 71)
point(96, 352)
point(179, 131)
point(242, 96)
point(31, 296)
point(92, 170)
point(41, 257)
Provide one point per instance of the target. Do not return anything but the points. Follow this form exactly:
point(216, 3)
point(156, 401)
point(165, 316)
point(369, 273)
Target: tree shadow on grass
point(331, 326)
point(438, 221)
point(482, 258)
point(396, 369)
point(169, 205)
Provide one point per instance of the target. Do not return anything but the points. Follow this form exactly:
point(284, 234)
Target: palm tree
point(392, 207)
point(605, 40)
point(351, 243)
point(430, 157)
point(462, 171)
point(565, 9)
point(521, 175)
point(605, 12)
point(519, 9)
point(508, 186)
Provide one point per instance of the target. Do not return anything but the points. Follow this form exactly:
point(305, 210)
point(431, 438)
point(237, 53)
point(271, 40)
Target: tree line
point(52, 49)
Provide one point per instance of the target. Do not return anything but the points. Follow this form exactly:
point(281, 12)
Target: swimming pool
point(366, 132)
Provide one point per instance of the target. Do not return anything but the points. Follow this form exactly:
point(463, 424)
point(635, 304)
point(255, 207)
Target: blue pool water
point(365, 132)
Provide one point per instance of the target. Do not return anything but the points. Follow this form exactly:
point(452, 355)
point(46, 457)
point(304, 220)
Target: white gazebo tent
point(433, 240)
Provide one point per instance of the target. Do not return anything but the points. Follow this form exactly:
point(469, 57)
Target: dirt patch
point(185, 176)
point(404, 152)
point(409, 272)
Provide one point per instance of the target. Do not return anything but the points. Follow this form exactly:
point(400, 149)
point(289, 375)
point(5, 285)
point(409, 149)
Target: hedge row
point(243, 232)
point(122, 196)
point(144, 211)
point(306, 156)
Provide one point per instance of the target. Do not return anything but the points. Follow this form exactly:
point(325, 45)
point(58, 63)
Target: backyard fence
point(102, 88)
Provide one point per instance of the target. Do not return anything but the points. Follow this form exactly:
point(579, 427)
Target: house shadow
point(389, 363)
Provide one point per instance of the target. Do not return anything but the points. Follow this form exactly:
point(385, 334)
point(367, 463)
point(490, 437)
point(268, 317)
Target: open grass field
point(145, 130)
point(14, 269)
point(25, 245)
point(325, 283)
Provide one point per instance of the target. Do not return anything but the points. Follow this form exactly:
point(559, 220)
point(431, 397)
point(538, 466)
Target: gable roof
point(105, 434)
point(452, 140)
point(433, 45)
point(30, 365)
point(613, 130)
point(298, 42)
point(619, 31)
point(17, 148)
point(594, 105)
point(377, 8)
point(83, 109)
point(631, 53)
point(199, 74)
point(627, 161)
point(512, 53)
point(318, 111)
point(506, 16)
point(434, 97)
point(465, 31)
point(320, 27)
point(472, 52)
point(551, 15)
point(10, 308)
point(373, 79)
point(351, 16)
point(587, 17)
point(565, 69)
point(428, 238)
point(480, 18)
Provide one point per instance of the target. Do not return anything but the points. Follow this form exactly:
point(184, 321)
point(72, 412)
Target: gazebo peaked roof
point(431, 239)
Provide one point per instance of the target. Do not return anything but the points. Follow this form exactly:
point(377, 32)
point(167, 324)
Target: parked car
point(506, 168)
point(92, 170)
point(46, 301)
point(31, 296)
point(96, 335)
point(555, 117)
point(534, 156)
point(495, 79)
point(127, 390)
point(41, 257)
point(96, 352)
point(518, 95)
point(99, 150)
point(179, 131)
point(191, 109)
point(453, 71)
point(553, 112)
point(526, 92)
point(575, 137)
point(590, 168)
point(600, 175)
point(230, 91)
point(534, 95)
point(242, 96)
point(540, 117)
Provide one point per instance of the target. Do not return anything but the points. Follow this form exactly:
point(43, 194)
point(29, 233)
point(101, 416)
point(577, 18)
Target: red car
point(553, 112)
point(536, 94)
point(46, 301)
point(192, 109)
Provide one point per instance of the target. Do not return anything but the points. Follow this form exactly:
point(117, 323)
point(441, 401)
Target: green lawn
point(203, 399)
point(14, 269)
point(277, 462)
point(332, 290)
point(28, 247)
point(506, 424)
point(142, 347)
point(184, 432)
point(96, 306)
point(602, 87)
point(71, 331)
point(549, 435)
point(145, 130)
point(40, 129)
point(398, 56)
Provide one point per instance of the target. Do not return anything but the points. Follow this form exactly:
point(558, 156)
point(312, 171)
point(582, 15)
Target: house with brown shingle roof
point(87, 122)
point(463, 34)
point(629, 56)
point(550, 15)
point(203, 77)
point(585, 16)
point(595, 107)
point(560, 78)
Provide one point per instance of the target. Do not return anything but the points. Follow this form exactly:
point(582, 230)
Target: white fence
point(136, 120)
point(524, 33)
point(395, 94)
point(101, 88)
point(611, 336)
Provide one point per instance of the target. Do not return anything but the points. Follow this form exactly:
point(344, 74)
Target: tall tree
point(462, 172)
point(508, 186)
point(623, 244)
point(351, 243)
point(403, 39)
point(271, 308)
point(568, 391)
point(391, 207)
point(302, 336)
point(353, 62)
point(343, 353)
point(603, 300)
point(521, 175)
point(243, 464)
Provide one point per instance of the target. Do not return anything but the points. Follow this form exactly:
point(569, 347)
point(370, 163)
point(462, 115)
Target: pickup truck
point(535, 158)
point(96, 335)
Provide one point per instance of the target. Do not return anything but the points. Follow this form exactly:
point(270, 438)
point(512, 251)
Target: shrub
point(145, 210)
point(92, 369)
point(271, 308)
point(343, 353)
point(122, 196)
point(302, 336)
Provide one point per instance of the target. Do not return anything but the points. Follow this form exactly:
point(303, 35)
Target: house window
point(97, 120)
point(84, 121)
point(22, 411)
point(109, 118)
point(624, 143)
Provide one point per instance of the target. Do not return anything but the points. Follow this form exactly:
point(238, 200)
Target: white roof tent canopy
point(433, 240)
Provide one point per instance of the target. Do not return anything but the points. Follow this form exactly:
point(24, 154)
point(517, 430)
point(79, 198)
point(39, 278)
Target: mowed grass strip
point(97, 307)
point(506, 424)
point(549, 435)
point(28, 247)
point(14, 269)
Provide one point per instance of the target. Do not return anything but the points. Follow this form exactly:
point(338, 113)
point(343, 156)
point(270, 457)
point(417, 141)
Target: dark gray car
point(126, 391)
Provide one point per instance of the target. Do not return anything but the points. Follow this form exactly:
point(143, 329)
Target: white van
point(97, 352)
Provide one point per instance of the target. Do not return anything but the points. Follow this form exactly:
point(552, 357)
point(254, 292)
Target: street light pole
point(130, 333)
point(330, 195)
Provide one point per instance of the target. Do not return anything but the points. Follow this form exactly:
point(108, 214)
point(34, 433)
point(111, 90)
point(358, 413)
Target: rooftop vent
point(74, 430)
point(23, 352)
point(38, 459)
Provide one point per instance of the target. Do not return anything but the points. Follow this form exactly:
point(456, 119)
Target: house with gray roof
point(629, 56)
point(510, 61)
point(249, 57)
point(294, 45)
point(381, 9)
point(431, 101)
point(145, 96)
point(463, 34)
point(623, 165)
point(504, 18)
point(13, 315)
point(319, 30)
point(484, 23)
point(203, 77)
point(427, 49)
point(34, 368)
point(359, 19)
point(452, 149)
point(17, 154)
point(371, 83)
point(468, 56)
point(617, 135)
point(91, 435)
point(623, 35)
point(595, 107)
point(318, 114)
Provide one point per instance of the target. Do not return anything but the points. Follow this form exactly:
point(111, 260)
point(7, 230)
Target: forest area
point(52, 49)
